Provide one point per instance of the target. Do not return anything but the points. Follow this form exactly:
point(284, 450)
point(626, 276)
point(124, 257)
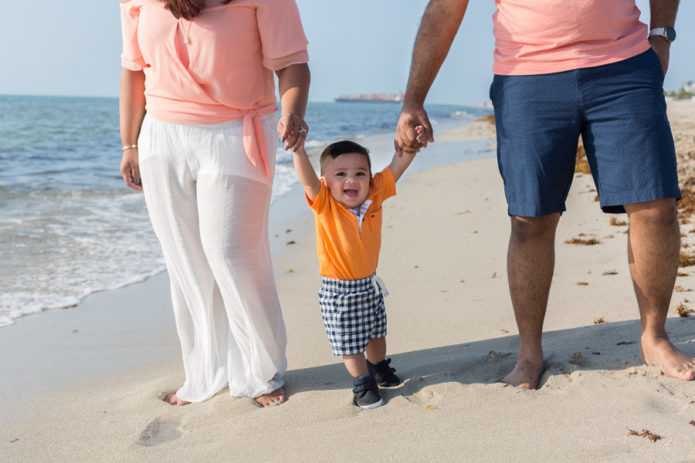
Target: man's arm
point(663, 13)
point(306, 173)
point(439, 25)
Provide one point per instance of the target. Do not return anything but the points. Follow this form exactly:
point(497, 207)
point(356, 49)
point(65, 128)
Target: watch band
point(667, 33)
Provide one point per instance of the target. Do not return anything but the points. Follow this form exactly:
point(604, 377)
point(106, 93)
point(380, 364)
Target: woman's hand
point(130, 169)
point(293, 131)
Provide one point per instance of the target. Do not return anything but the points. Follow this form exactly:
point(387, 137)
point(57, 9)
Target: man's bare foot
point(661, 353)
point(174, 400)
point(525, 374)
point(272, 398)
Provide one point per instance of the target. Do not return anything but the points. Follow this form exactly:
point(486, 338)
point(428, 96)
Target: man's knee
point(661, 213)
point(531, 228)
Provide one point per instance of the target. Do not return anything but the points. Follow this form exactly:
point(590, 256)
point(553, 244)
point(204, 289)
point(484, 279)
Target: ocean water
point(68, 225)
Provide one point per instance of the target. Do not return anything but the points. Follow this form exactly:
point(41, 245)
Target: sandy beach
point(89, 382)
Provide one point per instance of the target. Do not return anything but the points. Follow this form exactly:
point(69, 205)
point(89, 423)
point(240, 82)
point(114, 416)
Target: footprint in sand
point(417, 391)
point(578, 359)
point(159, 432)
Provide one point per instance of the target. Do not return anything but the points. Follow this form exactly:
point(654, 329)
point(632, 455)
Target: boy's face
point(347, 178)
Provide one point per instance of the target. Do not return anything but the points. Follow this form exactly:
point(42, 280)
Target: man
point(565, 69)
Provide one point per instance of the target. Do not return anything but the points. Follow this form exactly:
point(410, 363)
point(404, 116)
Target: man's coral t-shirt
point(547, 36)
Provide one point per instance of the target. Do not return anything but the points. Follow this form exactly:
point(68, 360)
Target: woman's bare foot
point(525, 374)
point(174, 400)
point(661, 353)
point(272, 398)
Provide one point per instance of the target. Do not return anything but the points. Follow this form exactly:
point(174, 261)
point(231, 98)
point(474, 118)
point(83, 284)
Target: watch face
point(670, 34)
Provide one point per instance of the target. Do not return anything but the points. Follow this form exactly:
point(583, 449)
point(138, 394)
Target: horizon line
point(116, 98)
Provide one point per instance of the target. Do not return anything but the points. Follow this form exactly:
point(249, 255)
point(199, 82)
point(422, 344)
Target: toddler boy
point(346, 201)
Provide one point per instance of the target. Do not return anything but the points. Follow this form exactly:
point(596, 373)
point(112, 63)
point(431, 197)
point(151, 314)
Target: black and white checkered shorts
point(353, 313)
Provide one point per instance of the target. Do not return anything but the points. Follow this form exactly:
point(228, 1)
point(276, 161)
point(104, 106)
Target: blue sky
point(72, 48)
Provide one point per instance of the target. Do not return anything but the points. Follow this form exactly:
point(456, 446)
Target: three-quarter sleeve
point(131, 56)
point(282, 35)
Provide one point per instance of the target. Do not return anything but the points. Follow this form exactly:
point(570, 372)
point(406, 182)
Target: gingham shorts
point(353, 313)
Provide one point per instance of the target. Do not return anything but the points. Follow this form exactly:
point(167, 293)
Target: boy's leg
point(378, 365)
point(365, 388)
point(346, 317)
point(376, 350)
point(355, 364)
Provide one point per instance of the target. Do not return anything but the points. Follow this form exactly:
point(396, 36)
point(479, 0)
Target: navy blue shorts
point(353, 313)
point(619, 111)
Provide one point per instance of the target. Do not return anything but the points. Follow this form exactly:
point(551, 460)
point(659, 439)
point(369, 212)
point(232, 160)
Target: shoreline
point(97, 246)
point(90, 325)
point(452, 335)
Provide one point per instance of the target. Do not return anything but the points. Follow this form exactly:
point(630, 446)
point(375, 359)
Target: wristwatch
point(668, 33)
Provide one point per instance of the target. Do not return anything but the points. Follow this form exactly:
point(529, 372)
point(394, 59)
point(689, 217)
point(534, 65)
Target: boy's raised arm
point(306, 173)
point(400, 162)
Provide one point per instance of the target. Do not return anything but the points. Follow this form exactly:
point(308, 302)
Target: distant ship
point(371, 98)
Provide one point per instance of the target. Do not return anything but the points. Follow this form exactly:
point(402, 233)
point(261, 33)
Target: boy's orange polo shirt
point(344, 252)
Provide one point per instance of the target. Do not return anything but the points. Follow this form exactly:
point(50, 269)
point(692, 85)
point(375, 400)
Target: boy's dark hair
point(334, 150)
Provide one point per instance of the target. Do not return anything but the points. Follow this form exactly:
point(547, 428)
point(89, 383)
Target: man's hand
point(414, 130)
point(662, 49)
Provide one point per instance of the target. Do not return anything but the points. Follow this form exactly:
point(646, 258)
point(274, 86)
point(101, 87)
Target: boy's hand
point(398, 149)
point(293, 131)
point(421, 135)
point(421, 138)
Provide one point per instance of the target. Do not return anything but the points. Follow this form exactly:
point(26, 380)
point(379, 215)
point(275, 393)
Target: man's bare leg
point(530, 263)
point(653, 253)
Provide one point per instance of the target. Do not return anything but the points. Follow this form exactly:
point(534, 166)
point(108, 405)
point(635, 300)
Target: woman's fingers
point(135, 169)
point(287, 126)
point(293, 131)
point(130, 170)
point(132, 180)
point(300, 137)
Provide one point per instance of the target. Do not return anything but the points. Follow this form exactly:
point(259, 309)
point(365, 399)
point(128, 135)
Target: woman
point(204, 156)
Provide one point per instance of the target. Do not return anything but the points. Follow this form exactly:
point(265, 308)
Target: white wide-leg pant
point(209, 208)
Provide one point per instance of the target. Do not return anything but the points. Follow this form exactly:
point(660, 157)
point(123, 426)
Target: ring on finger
point(302, 130)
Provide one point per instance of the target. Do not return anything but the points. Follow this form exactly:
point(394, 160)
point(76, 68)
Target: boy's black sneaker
point(383, 373)
point(366, 392)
